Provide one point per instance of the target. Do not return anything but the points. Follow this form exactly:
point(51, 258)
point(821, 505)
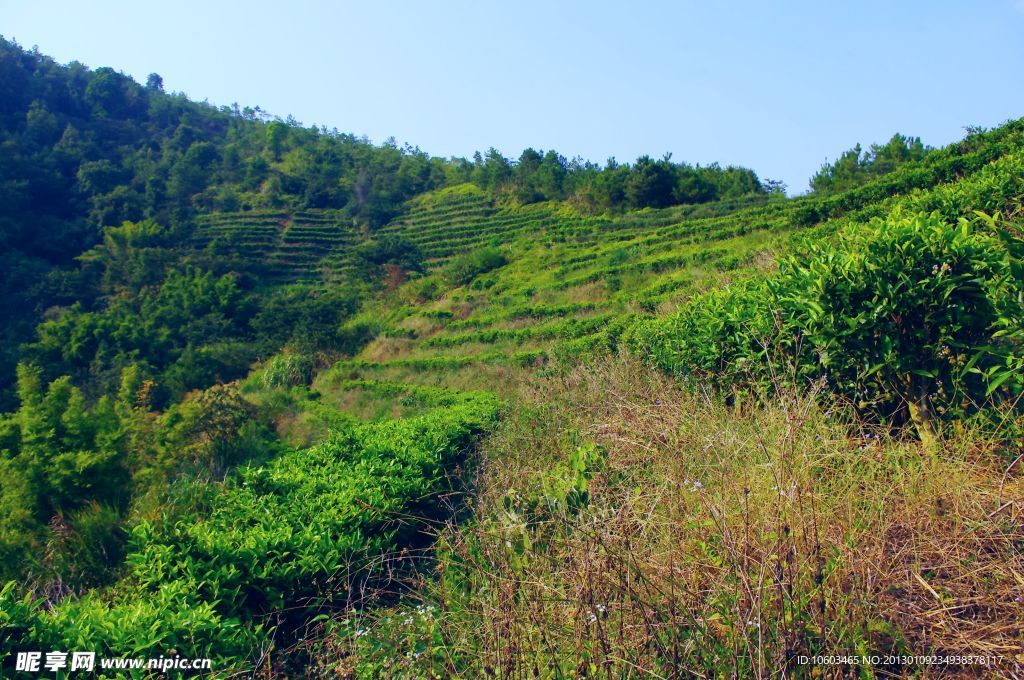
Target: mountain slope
point(306, 405)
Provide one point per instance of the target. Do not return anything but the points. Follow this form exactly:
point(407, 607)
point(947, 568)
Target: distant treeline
point(647, 183)
point(85, 148)
point(857, 165)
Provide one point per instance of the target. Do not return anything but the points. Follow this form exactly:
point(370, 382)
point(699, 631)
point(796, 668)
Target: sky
point(779, 87)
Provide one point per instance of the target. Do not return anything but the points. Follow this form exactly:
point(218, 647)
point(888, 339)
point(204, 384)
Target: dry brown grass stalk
point(718, 542)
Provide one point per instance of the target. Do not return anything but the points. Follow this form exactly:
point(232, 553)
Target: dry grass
point(384, 348)
point(589, 292)
point(716, 543)
point(425, 327)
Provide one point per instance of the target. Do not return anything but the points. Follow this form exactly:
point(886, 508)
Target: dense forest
point(276, 395)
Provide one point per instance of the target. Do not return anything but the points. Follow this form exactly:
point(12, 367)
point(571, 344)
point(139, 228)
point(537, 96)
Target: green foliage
point(392, 250)
point(462, 270)
point(650, 183)
point(442, 363)
point(528, 311)
point(72, 472)
point(286, 370)
point(562, 329)
point(916, 311)
point(131, 256)
point(975, 155)
point(910, 318)
point(207, 431)
point(856, 166)
point(720, 336)
point(563, 491)
point(246, 239)
point(85, 151)
point(173, 329)
point(57, 455)
point(307, 319)
point(85, 546)
point(277, 132)
point(422, 290)
point(269, 540)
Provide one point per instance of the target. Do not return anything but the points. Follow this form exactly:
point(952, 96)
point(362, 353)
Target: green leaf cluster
point(909, 318)
point(273, 539)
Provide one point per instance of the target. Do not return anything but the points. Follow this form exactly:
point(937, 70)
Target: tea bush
point(909, 319)
point(266, 542)
point(464, 269)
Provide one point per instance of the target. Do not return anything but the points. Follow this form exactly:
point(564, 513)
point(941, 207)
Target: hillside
point(623, 521)
point(86, 150)
point(308, 406)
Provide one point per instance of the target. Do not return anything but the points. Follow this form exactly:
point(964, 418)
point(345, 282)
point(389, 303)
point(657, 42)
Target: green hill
point(313, 407)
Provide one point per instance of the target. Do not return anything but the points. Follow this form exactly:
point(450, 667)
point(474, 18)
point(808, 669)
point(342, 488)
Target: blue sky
point(775, 86)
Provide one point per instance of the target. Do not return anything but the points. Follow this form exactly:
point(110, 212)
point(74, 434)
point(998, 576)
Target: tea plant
point(298, 533)
point(909, 319)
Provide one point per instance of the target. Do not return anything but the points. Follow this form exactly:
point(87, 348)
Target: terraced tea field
point(301, 246)
point(571, 282)
point(573, 286)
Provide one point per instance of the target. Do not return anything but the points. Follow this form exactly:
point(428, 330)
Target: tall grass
point(708, 542)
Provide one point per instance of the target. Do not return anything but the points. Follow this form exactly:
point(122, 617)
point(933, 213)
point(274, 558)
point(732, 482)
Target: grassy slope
point(710, 538)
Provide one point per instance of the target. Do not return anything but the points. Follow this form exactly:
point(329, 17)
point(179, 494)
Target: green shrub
point(563, 490)
point(287, 370)
point(913, 312)
point(305, 318)
point(909, 319)
point(463, 269)
point(390, 250)
point(56, 456)
point(420, 291)
point(272, 539)
point(83, 547)
point(356, 334)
